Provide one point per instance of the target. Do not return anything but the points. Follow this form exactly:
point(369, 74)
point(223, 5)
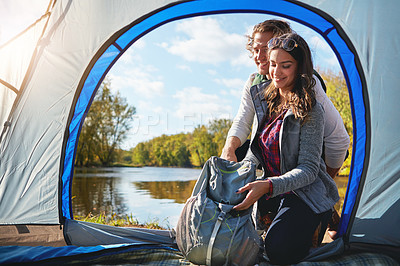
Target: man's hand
point(332, 171)
point(228, 152)
point(255, 190)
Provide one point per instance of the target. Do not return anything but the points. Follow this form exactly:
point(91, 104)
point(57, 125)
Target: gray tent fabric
point(84, 234)
point(41, 114)
point(31, 172)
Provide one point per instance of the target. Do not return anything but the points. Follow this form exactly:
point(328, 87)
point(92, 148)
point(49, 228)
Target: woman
point(288, 143)
point(336, 138)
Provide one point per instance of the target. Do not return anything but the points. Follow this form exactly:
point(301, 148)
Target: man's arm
point(241, 126)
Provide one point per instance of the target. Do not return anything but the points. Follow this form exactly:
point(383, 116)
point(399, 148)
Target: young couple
point(292, 123)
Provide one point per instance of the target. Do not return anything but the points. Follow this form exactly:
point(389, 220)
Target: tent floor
point(32, 235)
point(350, 259)
point(45, 235)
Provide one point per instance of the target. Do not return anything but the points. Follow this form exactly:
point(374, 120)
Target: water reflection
point(148, 193)
point(96, 195)
point(178, 191)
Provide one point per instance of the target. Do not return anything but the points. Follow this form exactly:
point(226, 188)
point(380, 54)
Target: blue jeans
point(289, 238)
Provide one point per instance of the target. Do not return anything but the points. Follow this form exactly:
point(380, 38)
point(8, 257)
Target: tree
point(85, 152)
point(141, 154)
point(219, 129)
point(183, 150)
point(179, 150)
point(202, 147)
point(105, 127)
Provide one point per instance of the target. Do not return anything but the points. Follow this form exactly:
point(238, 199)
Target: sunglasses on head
point(287, 44)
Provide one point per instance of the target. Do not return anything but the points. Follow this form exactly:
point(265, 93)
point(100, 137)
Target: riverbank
point(118, 220)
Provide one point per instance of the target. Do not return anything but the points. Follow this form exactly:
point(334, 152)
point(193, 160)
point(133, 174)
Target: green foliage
point(202, 146)
point(141, 154)
point(183, 150)
point(105, 127)
point(337, 91)
point(219, 129)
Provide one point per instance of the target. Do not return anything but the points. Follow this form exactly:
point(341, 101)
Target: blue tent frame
point(316, 19)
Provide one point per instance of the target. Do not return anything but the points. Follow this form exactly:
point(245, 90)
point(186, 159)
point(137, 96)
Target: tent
point(79, 41)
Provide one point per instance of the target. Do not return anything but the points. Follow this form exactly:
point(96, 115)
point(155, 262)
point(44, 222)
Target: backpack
point(209, 231)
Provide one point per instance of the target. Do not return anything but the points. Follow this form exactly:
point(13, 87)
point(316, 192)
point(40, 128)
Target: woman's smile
point(283, 69)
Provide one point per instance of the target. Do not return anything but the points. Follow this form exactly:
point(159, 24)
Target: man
point(336, 139)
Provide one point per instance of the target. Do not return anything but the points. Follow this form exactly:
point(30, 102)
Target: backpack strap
point(217, 225)
point(230, 244)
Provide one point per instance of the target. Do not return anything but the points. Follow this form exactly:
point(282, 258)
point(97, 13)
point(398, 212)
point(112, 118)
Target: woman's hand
point(255, 190)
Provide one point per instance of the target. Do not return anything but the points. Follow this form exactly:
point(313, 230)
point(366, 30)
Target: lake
point(148, 193)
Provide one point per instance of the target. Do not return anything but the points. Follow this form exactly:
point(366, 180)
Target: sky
point(182, 74)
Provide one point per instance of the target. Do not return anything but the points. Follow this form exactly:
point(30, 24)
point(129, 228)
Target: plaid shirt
point(269, 145)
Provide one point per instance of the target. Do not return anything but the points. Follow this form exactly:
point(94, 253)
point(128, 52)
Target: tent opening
point(131, 37)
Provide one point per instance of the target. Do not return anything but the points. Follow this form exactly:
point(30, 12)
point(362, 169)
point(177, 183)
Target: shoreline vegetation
point(119, 220)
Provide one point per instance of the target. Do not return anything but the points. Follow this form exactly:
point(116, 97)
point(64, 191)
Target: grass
point(118, 220)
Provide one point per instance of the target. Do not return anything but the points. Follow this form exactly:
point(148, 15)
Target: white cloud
point(231, 83)
point(129, 57)
point(243, 59)
point(224, 92)
point(185, 68)
point(132, 55)
point(206, 42)
point(317, 43)
point(145, 108)
point(151, 121)
point(139, 81)
point(139, 44)
point(329, 62)
point(163, 45)
point(323, 54)
point(235, 86)
point(198, 107)
point(212, 72)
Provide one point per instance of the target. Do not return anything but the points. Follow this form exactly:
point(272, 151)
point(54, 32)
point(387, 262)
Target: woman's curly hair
point(302, 97)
